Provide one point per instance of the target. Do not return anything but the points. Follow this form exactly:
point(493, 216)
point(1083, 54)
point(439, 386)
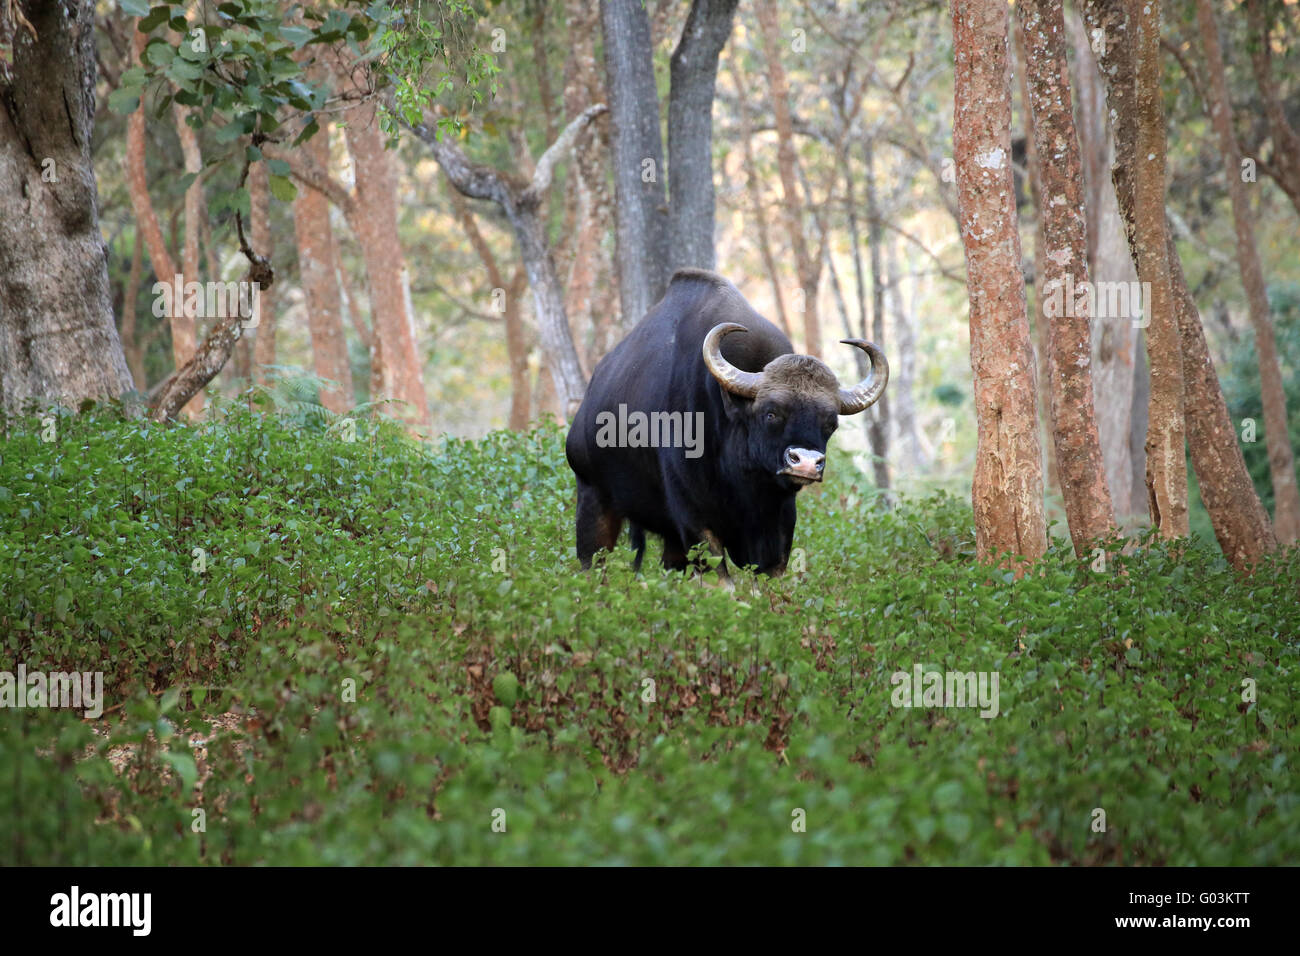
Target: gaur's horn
point(867, 392)
point(734, 380)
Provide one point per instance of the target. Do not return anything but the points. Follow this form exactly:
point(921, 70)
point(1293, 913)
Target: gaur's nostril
point(791, 456)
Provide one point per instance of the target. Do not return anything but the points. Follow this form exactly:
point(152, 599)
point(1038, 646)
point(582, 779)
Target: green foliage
point(401, 651)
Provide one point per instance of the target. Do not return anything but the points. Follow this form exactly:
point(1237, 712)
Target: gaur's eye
point(774, 418)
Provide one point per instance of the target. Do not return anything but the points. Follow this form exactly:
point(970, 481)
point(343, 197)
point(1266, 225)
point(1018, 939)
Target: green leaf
point(282, 188)
point(124, 101)
point(184, 766)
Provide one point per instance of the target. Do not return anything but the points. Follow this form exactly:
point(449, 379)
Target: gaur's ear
point(735, 406)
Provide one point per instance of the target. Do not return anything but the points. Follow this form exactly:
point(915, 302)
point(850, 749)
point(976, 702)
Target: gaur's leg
point(598, 524)
point(637, 535)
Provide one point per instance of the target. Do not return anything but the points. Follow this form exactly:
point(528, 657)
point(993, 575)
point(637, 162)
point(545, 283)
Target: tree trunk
point(259, 233)
point(640, 208)
point(1116, 343)
point(183, 327)
point(694, 72)
point(399, 369)
point(318, 269)
point(753, 187)
point(195, 213)
point(1166, 429)
point(1007, 490)
point(878, 430)
point(516, 339)
point(1240, 523)
point(910, 456)
point(1037, 321)
point(1065, 261)
point(1281, 461)
point(1285, 160)
point(522, 206)
point(58, 341)
point(808, 266)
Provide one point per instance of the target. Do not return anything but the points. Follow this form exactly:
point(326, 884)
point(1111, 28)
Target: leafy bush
point(399, 652)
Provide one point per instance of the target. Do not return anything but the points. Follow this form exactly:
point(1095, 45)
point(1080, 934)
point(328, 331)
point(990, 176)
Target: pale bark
point(58, 341)
point(1074, 429)
point(1116, 342)
point(1007, 490)
point(1281, 460)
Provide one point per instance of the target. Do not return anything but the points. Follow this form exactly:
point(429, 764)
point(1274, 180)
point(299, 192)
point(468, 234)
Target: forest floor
point(316, 650)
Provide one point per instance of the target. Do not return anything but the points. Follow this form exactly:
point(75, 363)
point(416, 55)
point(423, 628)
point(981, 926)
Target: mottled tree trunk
point(1281, 460)
point(1240, 523)
point(1007, 490)
point(694, 72)
point(318, 264)
point(58, 341)
point(1037, 323)
point(1065, 261)
point(1166, 429)
point(641, 209)
point(807, 263)
point(195, 212)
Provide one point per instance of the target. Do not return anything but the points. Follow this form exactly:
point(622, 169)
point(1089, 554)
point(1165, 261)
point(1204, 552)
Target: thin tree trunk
point(1166, 429)
point(1007, 490)
point(754, 189)
point(640, 208)
point(399, 368)
point(1078, 449)
point(183, 327)
point(58, 341)
point(259, 217)
point(195, 212)
point(1037, 321)
point(807, 265)
point(911, 457)
point(516, 339)
point(1281, 460)
point(694, 72)
point(522, 206)
point(318, 268)
point(1285, 160)
point(878, 429)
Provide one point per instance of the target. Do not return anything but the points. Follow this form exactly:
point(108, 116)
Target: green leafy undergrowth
point(403, 664)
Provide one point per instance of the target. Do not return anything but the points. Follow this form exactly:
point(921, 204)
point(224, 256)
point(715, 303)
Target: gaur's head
point(791, 408)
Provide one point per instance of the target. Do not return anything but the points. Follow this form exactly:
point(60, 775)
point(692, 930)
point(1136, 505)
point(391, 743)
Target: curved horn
point(734, 380)
point(867, 392)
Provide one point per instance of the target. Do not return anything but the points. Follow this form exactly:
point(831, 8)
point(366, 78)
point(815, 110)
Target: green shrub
point(405, 652)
